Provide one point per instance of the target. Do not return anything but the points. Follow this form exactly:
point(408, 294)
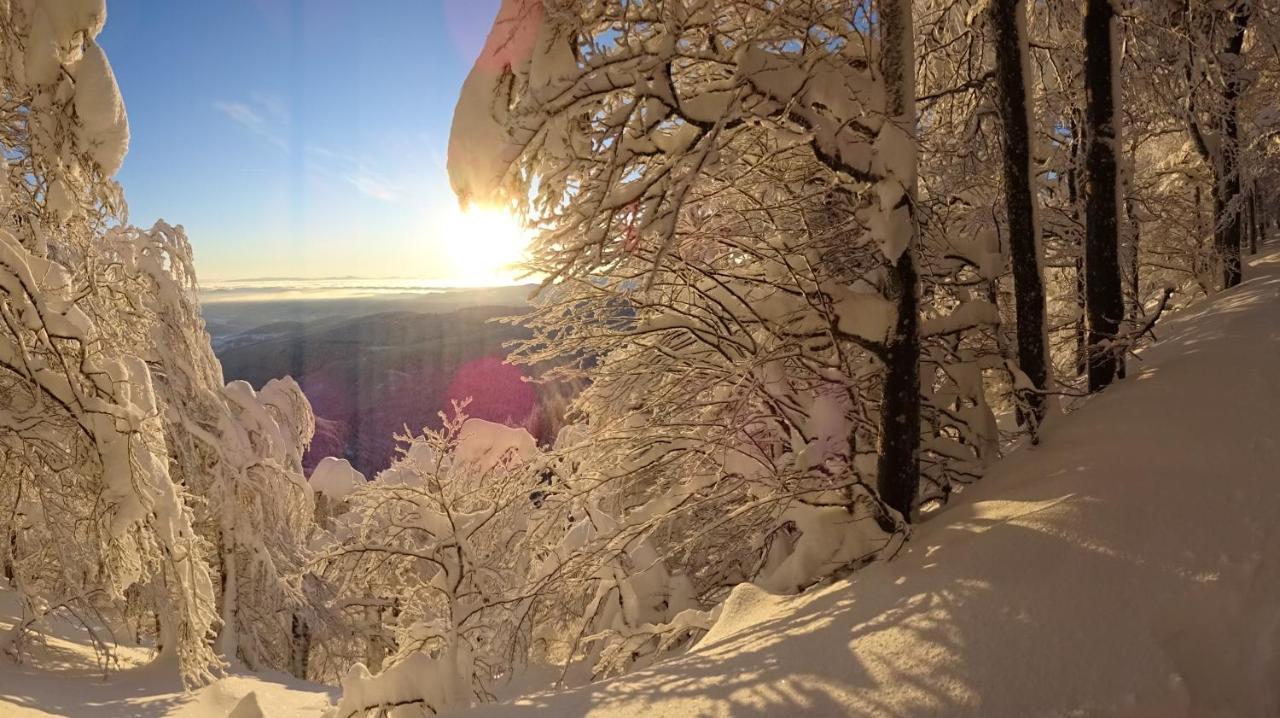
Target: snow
point(487, 444)
point(866, 315)
point(60, 38)
point(248, 707)
point(336, 478)
point(480, 152)
point(61, 678)
point(51, 42)
point(419, 684)
point(104, 128)
point(967, 315)
point(1129, 566)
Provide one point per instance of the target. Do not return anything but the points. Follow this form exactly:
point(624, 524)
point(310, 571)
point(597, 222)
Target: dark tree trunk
point(9, 555)
point(1104, 302)
point(898, 465)
point(1131, 275)
point(1204, 256)
point(299, 647)
point(1253, 228)
point(1008, 27)
point(1073, 196)
point(898, 470)
point(1259, 223)
point(1226, 199)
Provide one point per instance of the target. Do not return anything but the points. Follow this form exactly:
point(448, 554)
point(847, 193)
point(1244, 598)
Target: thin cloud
point(251, 120)
point(266, 116)
point(373, 187)
point(273, 105)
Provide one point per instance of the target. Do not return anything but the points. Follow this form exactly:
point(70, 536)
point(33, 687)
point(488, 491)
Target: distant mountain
point(369, 377)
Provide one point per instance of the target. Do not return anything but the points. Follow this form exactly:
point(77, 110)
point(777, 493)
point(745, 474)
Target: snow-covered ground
point(1129, 566)
point(59, 677)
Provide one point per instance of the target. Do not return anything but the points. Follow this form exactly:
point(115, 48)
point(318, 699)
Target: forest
point(814, 269)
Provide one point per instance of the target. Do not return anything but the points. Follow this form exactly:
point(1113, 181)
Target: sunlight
point(483, 246)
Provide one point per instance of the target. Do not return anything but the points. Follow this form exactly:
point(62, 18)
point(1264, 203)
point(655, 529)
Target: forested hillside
point(367, 378)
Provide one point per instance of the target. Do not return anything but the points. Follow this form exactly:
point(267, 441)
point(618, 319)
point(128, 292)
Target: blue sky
point(295, 138)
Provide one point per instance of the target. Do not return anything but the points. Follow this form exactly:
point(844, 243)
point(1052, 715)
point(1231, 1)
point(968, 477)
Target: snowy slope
point(60, 678)
point(1130, 566)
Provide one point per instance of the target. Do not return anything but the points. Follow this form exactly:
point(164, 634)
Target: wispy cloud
point(355, 171)
point(249, 118)
point(273, 105)
point(266, 116)
point(374, 187)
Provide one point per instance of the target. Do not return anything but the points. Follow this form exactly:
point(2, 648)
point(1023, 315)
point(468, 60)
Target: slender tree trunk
point(228, 642)
point(7, 558)
point(1251, 228)
point(1104, 303)
point(299, 647)
point(898, 465)
point(1227, 205)
point(1073, 196)
point(1008, 23)
point(1259, 222)
point(375, 649)
point(1201, 233)
point(1132, 278)
point(1132, 247)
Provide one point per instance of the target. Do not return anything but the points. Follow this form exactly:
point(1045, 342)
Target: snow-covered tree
point(91, 505)
point(445, 540)
point(238, 450)
point(625, 125)
point(131, 464)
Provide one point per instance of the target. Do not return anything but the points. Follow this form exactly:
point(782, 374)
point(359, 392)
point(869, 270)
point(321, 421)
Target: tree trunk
point(1008, 23)
point(1133, 295)
point(10, 555)
point(1226, 200)
point(375, 649)
point(1256, 237)
point(299, 647)
point(898, 465)
point(228, 640)
point(1251, 222)
point(1104, 303)
point(1073, 196)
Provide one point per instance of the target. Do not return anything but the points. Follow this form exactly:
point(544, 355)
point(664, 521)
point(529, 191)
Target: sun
point(483, 246)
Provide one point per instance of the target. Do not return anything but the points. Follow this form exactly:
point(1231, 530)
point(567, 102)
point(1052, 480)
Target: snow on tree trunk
point(898, 469)
point(300, 646)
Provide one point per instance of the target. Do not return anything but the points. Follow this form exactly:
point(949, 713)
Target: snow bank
point(248, 707)
point(336, 478)
point(62, 677)
point(417, 685)
point(487, 444)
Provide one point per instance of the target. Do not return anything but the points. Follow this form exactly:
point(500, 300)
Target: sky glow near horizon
point(305, 138)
